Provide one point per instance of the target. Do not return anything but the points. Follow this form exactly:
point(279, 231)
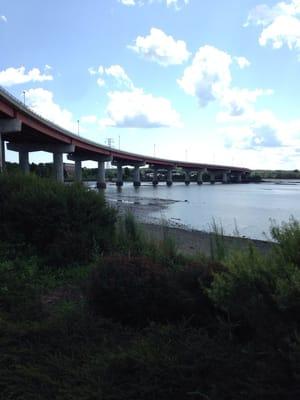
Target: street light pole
point(24, 93)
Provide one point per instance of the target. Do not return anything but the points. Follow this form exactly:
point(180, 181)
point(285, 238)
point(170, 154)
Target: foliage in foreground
point(137, 291)
point(148, 323)
point(62, 224)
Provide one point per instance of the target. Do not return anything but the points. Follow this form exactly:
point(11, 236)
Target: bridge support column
point(225, 177)
point(7, 126)
point(155, 178)
point(78, 171)
point(58, 167)
point(212, 178)
point(119, 175)
point(2, 154)
point(187, 180)
point(136, 176)
point(200, 176)
point(239, 177)
point(24, 161)
point(169, 177)
point(101, 184)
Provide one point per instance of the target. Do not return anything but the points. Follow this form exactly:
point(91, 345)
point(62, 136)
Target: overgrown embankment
point(91, 309)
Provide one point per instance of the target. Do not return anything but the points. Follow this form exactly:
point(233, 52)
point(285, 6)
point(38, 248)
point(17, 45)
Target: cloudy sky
point(210, 81)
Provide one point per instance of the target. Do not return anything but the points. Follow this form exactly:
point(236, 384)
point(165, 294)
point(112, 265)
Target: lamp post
point(24, 98)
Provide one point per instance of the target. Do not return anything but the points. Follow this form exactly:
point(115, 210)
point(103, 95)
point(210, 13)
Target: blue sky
point(213, 81)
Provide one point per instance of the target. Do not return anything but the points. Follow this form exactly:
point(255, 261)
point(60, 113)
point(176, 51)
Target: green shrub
point(130, 239)
point(136, 291)
point(258, 295)
point(63, 224)
point(288, 238)
point(19, 294)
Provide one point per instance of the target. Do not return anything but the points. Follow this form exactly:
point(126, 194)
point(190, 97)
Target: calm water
point(250, 207)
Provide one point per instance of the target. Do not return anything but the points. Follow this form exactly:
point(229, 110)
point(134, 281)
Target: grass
point(140, 321)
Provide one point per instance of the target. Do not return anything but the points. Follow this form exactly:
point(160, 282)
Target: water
point(247, 207)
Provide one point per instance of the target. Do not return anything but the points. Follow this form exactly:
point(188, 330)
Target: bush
point(63, 224)
point(137, 291)
point(19, 294)
point(259, 295)
point(288, 238)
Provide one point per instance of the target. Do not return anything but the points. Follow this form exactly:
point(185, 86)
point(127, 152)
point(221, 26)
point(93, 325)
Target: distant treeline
point(45, 170)
point(277, 174)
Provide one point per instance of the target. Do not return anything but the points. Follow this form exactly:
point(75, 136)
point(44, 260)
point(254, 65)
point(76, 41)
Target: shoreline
point(188, 240)
point(193, 242)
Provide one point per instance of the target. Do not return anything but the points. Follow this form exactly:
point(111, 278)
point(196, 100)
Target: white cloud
point(41, 101)
point(136, 109)
point(209, 79)
point(177, 4)
point(161, 48)
point(101, 82)
point(238, 101)
point(114, 71)
point(208, 75)
point(242, 62)
point(14, 76)
point(117, 72)
point(88, 119)
point(131, 107)
point(281, 24)
point(3, 18)
point(92, 71)
point(284, 30)
point(260, 130)
point(128, 2)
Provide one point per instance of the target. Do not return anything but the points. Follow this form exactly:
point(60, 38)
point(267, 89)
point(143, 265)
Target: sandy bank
point(192, 241)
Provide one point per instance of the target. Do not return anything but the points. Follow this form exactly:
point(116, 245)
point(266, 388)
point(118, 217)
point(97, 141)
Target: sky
point(206, 81)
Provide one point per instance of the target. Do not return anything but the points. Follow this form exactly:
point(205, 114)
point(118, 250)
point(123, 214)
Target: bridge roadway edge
point(42, 133)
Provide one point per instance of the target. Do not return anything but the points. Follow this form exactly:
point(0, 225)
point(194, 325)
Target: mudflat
point(193, 242)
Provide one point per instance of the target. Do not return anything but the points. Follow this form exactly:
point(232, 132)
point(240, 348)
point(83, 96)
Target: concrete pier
point(78, 171)
point(119, 181)
point(169, 177)
point(56, 149)
point(136, 176)
point(155, 178)
point(200, 176)
point(225, 177)
point(100, 159)
point(58, 167)
point(2, 154)
point(7, 125)
point(187, 179)
point(239, 177)
point(24, 161)
point(101, 183)
point(212, 178)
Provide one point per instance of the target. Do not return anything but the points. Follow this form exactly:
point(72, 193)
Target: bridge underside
point(24, 131)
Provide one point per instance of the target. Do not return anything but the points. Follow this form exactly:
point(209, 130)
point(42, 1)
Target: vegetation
point(277, 174)
point(133, 319)
point(61, 224)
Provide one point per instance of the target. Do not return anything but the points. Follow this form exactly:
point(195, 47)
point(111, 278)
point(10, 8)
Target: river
point(244, 208)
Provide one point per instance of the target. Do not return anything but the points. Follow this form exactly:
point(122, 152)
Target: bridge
point(24, 131)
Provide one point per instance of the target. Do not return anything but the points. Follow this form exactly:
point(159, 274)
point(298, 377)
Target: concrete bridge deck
point(25, 131)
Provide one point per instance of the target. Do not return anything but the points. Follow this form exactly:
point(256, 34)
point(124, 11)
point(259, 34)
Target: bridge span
point(25, 131)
